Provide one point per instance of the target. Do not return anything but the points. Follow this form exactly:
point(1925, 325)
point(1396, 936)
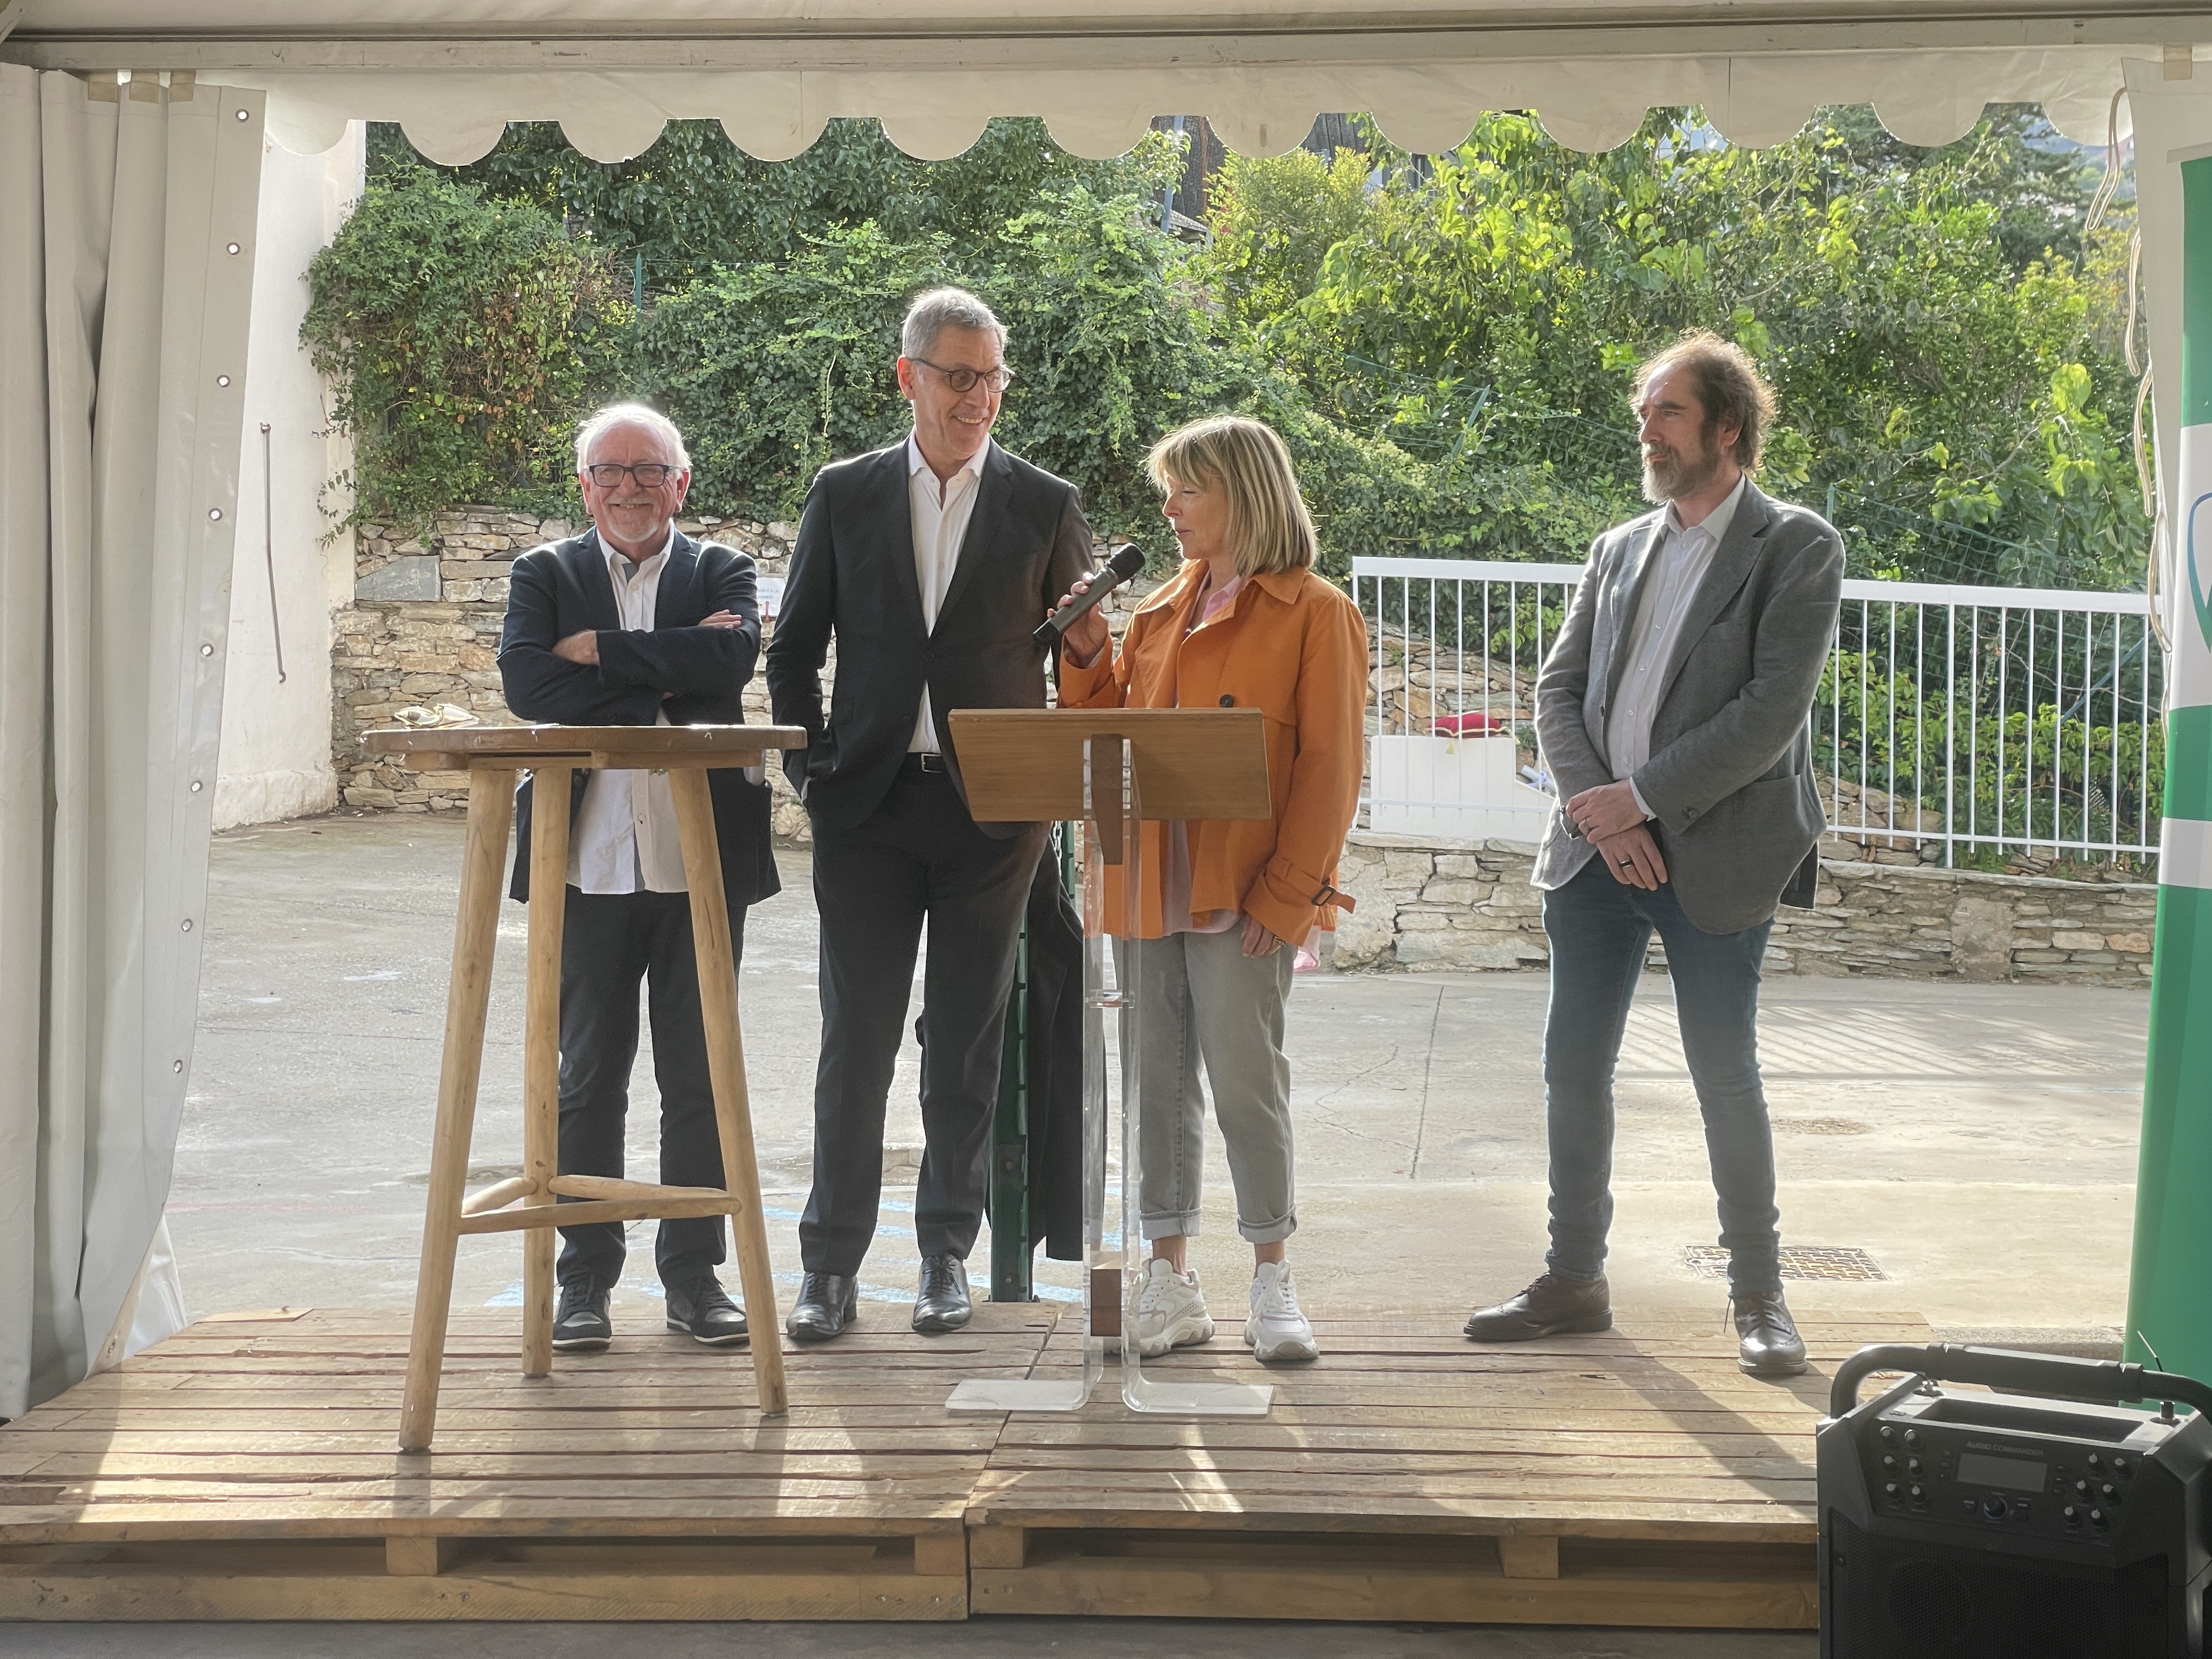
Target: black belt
point(916, 762)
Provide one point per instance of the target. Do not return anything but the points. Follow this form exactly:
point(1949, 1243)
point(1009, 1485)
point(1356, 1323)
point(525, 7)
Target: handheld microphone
point(1125, 564)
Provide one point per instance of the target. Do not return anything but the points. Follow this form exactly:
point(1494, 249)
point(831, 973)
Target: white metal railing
point(1951, 722)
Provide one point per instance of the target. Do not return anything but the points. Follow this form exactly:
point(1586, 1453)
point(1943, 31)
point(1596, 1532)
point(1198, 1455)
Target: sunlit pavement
point(1977, 1144)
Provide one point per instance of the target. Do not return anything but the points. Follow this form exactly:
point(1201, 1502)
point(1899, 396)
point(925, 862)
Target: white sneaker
point(1275, 1329)
point(1170, 1310)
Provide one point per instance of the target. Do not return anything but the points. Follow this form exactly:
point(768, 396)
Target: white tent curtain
point(2173, 120)
point(126, 226)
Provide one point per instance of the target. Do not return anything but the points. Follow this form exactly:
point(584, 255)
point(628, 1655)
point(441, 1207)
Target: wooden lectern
point(528, 1202)
point(1113, 768)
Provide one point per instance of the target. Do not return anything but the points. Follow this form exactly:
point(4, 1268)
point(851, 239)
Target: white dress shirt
point(625, 839)
point(1678, 565)
point(941, 511)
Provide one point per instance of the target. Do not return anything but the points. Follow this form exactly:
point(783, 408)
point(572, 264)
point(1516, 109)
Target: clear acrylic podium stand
point(1115, 769)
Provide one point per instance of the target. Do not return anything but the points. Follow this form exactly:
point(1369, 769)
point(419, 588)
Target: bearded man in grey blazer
point(1672, 714)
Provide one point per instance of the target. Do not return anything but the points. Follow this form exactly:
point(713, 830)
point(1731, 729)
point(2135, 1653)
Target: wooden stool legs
point(726, 1069)
point(451, 1212)
point(491, 808)
point(541, 1054)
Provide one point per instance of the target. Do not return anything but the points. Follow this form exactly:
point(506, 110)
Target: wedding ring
point(1625, 863)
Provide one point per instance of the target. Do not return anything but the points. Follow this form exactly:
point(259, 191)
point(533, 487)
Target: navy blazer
point(853, 575)
point(563, 588)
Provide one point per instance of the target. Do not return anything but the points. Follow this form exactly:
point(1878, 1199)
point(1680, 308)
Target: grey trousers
point(1200, 996)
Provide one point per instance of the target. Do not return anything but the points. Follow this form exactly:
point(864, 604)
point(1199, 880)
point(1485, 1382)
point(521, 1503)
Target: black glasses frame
point(961, 378)
point(667, 470)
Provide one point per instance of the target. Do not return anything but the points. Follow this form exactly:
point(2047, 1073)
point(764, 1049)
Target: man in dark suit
point(635, 623)
point(931, 563)
point(1671, 711)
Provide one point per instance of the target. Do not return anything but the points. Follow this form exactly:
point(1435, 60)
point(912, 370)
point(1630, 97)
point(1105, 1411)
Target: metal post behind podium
point(1118, 768)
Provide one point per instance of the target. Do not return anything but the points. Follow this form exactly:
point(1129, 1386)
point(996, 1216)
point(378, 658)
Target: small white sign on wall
point(1461, 788)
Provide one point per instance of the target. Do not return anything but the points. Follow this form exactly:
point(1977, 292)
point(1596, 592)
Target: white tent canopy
point(453, 72)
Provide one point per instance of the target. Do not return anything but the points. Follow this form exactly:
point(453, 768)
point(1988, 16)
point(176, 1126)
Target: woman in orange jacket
point(1226, 906)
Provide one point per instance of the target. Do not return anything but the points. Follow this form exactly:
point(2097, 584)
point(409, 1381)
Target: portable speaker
point(2023, 1525)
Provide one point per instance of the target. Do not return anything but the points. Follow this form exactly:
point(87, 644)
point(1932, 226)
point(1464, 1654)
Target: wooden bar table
point(529, 1203)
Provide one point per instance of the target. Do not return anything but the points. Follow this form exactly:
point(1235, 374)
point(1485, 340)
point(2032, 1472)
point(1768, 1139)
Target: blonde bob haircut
point(1268, 524)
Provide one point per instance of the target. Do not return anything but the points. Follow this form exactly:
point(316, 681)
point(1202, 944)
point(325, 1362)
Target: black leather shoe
point(580, 1324)
point(827, 1304)
point(705, 1313)
point(1546, 1308)
point(942, 1304)
point(1767, 1343)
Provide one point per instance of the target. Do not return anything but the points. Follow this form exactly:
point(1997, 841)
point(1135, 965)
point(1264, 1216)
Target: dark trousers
point(1598, 929)
point(918, 857)
point(610, 941)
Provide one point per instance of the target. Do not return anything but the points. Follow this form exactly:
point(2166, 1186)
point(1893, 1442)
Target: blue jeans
point(1599, 928)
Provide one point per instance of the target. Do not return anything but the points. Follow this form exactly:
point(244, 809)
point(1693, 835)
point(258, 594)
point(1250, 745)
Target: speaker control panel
point(1970, 1476)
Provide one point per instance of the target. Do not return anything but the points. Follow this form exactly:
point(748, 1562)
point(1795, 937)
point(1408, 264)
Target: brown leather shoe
point(1767, 1343)
point(1546, 1308)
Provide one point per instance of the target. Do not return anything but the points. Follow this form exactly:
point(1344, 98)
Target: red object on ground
point(1468, 725)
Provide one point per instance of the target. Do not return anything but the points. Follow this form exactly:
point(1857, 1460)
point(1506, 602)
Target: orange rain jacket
point(1294, 647)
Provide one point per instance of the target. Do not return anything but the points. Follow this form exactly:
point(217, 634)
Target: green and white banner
point(2170, 1293)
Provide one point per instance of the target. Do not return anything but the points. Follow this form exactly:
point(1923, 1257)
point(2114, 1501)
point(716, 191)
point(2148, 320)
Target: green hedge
point(465, 339)
point(467, 336)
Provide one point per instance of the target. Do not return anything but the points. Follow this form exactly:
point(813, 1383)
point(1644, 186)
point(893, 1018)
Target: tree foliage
point(464, 337)
point(1446, 344)
point(1926, 317)
point(694, 201)
point(775, 367)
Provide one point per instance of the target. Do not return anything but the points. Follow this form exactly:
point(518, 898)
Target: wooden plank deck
point(247, 1468)
point(1631, 1477)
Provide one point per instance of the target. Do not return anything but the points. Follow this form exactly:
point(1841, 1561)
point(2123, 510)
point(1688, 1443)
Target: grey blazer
point(1730, 776)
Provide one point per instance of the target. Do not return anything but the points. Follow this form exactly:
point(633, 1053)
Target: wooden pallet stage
point(1635, 1478)
point(246, 1469)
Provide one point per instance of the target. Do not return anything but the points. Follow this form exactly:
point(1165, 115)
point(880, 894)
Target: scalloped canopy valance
point(454, 72)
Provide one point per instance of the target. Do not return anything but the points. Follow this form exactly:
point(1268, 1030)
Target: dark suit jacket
point(563, 588)
point(852, 574)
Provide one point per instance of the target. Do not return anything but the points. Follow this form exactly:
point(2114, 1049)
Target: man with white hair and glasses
point(635, 623)
point(930, 562)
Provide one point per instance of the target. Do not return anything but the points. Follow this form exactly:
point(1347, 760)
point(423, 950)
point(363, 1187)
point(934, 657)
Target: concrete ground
point(1976, 1142)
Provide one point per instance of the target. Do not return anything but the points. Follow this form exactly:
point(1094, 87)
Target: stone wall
point(423, 631)
point(1468, 905)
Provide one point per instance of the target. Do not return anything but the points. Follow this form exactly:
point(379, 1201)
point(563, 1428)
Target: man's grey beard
point(1670, 480)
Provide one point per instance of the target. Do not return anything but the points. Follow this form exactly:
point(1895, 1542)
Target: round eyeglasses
point(961, 378)
point(650, 475)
